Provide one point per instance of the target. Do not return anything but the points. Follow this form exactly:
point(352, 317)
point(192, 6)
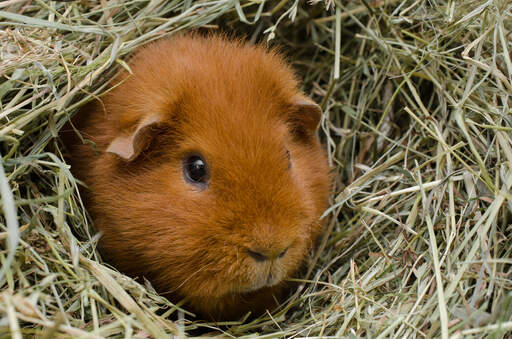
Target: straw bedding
point(417, 124)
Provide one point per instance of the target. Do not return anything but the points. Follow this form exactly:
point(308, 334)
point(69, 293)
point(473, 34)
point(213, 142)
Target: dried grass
point(417, 124)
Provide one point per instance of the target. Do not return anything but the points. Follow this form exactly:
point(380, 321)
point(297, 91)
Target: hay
point(417, 124)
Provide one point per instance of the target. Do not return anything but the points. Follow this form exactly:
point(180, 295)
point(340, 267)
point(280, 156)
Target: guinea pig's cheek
point(292, 261)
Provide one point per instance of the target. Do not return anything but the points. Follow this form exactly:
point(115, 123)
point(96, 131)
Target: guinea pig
point(207, 176)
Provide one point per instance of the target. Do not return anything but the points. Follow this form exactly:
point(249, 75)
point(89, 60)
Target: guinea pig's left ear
point(129, 145)
point(304, 118)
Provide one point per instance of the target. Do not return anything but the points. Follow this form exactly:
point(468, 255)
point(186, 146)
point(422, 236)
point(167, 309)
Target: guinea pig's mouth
point(269, 278)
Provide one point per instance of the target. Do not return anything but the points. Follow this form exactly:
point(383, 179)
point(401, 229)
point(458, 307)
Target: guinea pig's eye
point(195, 169)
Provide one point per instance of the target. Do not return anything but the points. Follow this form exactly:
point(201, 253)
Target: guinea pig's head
point(215, 178)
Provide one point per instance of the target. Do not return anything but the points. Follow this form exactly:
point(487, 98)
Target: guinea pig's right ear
point(129, 145)
point(304, 118)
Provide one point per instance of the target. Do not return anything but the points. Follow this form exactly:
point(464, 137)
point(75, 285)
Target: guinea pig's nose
point(257, 256)
point(263, 256)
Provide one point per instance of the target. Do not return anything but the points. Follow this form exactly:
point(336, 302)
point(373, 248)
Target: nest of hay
point(417, 99)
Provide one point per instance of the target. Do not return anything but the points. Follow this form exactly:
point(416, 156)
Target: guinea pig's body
point(208, 177)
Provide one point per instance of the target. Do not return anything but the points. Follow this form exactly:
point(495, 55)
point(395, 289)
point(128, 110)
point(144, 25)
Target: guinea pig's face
point(251, 208)
point(236, 195)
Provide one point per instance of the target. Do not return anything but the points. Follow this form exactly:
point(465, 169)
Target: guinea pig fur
point(208, 177)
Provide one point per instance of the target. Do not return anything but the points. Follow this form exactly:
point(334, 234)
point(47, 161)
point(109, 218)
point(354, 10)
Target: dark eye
point(195, 169)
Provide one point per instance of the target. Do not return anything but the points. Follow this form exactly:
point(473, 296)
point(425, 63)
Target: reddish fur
point(229, 101)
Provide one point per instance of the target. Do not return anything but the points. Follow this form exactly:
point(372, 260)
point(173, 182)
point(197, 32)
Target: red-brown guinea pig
point(208, 178)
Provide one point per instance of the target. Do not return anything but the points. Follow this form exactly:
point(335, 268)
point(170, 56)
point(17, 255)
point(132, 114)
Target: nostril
point(283, 253)
point(257, 256)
